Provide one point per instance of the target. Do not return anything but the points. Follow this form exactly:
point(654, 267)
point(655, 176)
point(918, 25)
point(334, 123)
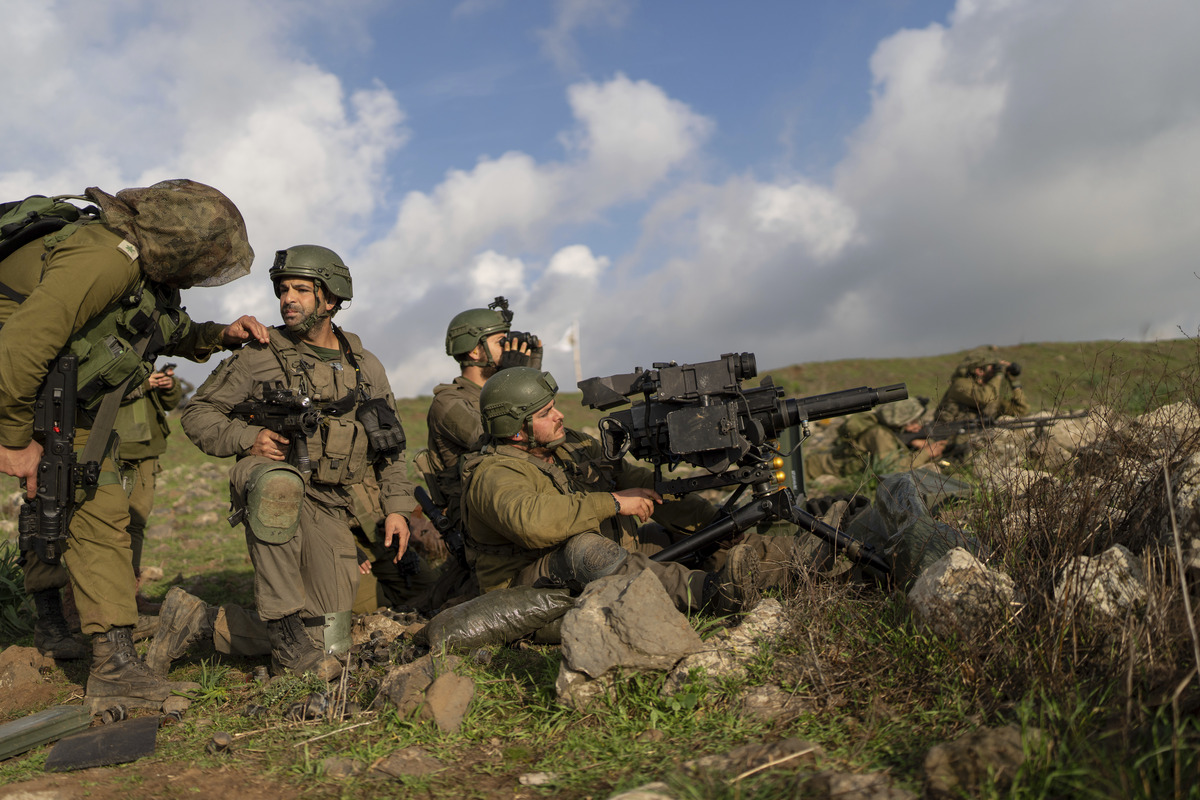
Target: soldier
point(106, 288)
point(478, 339)
point(977, 390)
point(142, 426)
point(541, 503)
point(882, 439)
point(298, 524)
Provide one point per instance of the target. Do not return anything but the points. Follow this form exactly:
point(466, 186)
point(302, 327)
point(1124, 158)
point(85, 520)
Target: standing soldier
point(142, 426)
point(102, 285)
point(298, 511)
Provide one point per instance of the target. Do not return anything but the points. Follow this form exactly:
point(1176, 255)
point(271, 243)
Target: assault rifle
point(45, 521)
point(946, 429)
point(451, 535)
point(284, 411)
point(700, 414)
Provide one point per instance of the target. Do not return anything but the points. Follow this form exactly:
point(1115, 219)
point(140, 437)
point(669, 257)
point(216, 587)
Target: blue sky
point(803, 180)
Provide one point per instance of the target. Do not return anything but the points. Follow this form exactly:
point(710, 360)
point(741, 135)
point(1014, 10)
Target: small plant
point(16, 609)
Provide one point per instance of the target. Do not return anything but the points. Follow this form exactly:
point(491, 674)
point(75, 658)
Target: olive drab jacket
point(454, 428)
point(142, 421)
point(517, 508)
point(70, 280)
point(966, 398)
point(340, 453)
point(864, 440)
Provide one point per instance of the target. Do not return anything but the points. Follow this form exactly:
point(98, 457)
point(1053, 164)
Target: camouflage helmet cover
point(471, 327)
point(901, 412)
point(187, 234)
point(315, 263)
point(510, 397)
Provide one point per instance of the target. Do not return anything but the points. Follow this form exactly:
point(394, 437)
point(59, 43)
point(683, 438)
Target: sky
point(802, 180)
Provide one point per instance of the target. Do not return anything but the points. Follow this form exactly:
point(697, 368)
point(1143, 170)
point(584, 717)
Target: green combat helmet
point(319, 264)
point(471, 327)
point(510, 398)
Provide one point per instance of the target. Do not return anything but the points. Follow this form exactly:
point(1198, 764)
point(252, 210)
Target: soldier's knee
point(586, 557)
point(274, 496)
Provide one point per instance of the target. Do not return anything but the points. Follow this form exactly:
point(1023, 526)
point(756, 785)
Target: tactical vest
point(107, 345)
point(339, 450)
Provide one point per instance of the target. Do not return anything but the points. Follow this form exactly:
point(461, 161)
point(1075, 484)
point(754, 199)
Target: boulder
point(1108, 586)
point(959, 595)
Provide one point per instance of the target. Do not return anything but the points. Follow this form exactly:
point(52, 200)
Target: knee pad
point(274, 496)
point(586, 557)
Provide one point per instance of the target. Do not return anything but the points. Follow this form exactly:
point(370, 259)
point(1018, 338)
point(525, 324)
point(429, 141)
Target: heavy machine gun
point(701, 415)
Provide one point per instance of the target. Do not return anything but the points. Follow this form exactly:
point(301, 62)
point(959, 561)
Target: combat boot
point(293, 651)
point(119, 675)
point(184, 619)
point(736, 587)
point(51, 634)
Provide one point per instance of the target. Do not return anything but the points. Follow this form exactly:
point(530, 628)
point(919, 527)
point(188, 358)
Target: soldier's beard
point(305, 323)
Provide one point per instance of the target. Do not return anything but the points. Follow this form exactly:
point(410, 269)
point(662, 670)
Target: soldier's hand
point(520, 354)
point(243, 329)
point(270, 444)
point(22, 462)
point(161, 380)
point(396, 526)
point(638, 503)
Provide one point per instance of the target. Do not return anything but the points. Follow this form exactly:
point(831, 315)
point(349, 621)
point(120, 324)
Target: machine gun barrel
point(847, 401)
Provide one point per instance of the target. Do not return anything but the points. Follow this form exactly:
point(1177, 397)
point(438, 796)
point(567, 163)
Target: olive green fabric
point(68, 282)
point(454, 427)
point(518, 509)
point(863, 441)
point(67, 285)
point(142, 427)
point(316, 572)
point(968, 398)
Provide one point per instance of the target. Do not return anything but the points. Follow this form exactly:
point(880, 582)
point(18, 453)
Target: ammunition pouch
point(338, 452)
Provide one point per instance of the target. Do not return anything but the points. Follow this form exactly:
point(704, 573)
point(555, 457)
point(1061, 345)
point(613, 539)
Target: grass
point(1116, 705)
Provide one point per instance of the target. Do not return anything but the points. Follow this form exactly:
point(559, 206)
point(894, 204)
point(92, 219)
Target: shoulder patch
point(129, 249)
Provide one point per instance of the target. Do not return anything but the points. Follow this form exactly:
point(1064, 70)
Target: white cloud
point(558, 40)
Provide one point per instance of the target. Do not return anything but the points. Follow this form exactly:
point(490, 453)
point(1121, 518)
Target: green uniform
point(454, 426)
point(315, 571)
point(864, 440)
point(967, 398)
point(519, 510)
point(142, 426)
point(70, 279)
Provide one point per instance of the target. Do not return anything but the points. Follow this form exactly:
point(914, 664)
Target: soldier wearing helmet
point(983, 387)
point(885, 439)
point(103, 284)
point(482, 342)
point(299, 514)
point(541, 503)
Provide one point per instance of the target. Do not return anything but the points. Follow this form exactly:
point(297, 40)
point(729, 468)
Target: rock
point(620, 623)
point(770, 703)
point(363, 627)
point(627, 622)
point(537, 778)
point(785, 753)
point(1109, 586)
point(726, 653)
point(1162, 429)
point(960, 595)
point(650, 791)
point(447, 700)
point(22, 666)
point(411, 761)
point(959, 768)
point(340, 767)
point(404, 686)
point(831, 785)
